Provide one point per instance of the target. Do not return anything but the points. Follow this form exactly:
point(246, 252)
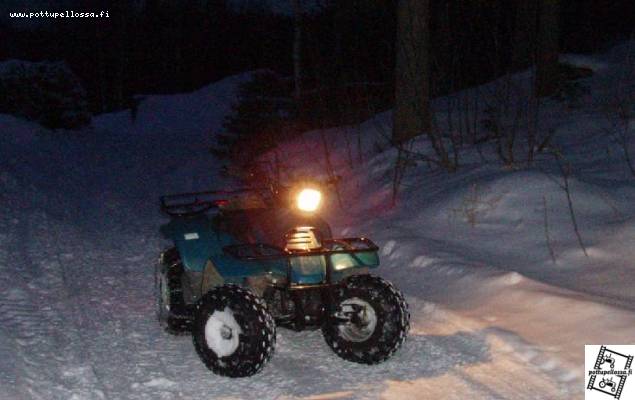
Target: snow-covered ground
point(493, 315)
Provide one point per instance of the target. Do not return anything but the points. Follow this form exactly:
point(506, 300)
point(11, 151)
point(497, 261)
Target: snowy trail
point(108, 345)
point(82, 319)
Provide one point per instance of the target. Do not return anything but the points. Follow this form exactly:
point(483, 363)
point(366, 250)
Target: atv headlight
point(309, 200)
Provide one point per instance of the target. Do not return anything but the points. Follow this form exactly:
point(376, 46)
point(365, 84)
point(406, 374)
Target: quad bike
point(246, 261)
point(607, 382)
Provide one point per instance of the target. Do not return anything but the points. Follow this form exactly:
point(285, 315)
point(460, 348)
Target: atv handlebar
point(195, 203)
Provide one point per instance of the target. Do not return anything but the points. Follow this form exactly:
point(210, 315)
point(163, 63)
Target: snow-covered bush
point(267, 113)
point(46, 92)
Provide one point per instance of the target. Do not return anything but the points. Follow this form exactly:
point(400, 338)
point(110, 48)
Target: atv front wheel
point(172, 312)
point(370, 321)
point(233, 332)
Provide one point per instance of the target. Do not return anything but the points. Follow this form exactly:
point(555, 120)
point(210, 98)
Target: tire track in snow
point(30, 309)
point(78, 315)
point(11, 375)
point(119, 333)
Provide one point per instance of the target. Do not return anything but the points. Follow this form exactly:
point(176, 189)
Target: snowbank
point(496, 250)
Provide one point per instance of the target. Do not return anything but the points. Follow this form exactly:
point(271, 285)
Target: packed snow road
point(77, 320)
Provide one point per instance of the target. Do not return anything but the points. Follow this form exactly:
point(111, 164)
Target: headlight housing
point(308, 199)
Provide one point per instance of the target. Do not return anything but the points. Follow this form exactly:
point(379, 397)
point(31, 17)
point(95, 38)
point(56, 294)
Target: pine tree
point(412, 116)
point(547, 77)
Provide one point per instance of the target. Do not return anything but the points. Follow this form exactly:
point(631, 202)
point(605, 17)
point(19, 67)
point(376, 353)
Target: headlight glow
point(309, 200)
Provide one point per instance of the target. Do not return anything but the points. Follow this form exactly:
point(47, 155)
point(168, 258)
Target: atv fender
point(196, 240)
point(211, 278)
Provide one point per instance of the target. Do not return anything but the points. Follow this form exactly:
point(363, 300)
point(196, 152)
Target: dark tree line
point(153, 46)
point(347, 48)
point(491, 42)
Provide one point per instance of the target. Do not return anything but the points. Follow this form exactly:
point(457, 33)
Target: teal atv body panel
point(200, 239)
point(196, 240)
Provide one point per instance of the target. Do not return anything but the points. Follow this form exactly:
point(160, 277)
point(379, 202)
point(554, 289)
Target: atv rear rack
point(194, 203)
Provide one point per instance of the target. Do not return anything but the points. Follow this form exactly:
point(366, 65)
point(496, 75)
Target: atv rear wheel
point(370, 321)
point(233, 332)
point(171, 310)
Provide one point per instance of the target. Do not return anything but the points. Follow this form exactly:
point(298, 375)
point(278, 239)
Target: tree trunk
point(525, 24)
point(412, 116)
point(547, 59)
point(122, 59)
point(297, 47)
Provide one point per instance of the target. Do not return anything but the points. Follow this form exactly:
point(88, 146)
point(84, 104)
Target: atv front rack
point(262, 252)
point(310, 269)
point(256, 252)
